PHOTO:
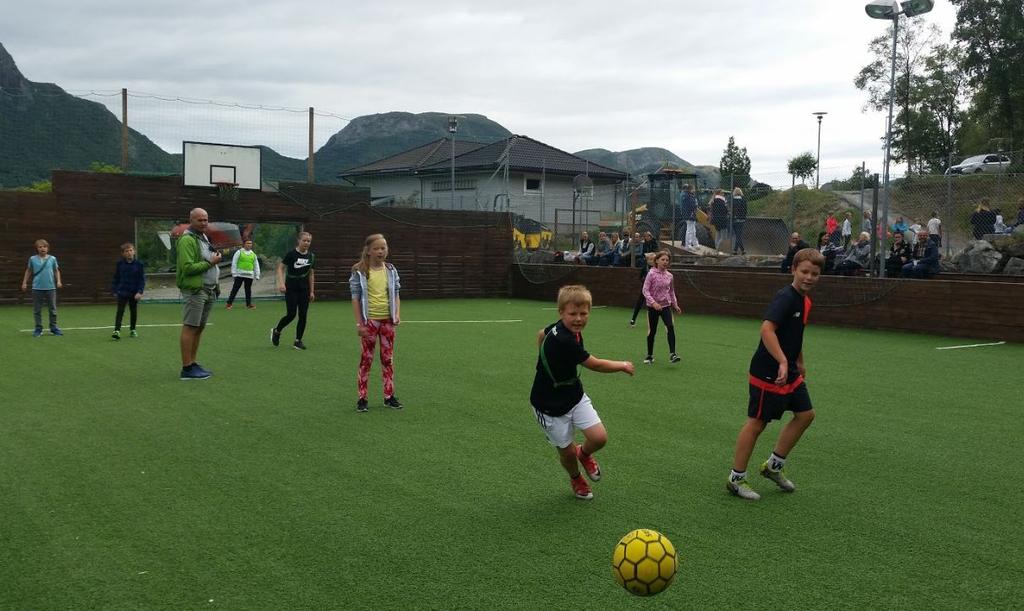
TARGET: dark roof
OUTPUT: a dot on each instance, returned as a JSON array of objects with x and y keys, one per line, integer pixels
[
  {"x": 525, "y": 154},
  {"x": 414, "y": 159}
]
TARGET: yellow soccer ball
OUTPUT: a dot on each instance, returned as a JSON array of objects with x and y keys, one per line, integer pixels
[{"x": 644, "y": 562}]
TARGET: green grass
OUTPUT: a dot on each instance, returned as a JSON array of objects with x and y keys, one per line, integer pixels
[
  {"x": 811, "y": 209},
  {"x": 121, "y": 486}
]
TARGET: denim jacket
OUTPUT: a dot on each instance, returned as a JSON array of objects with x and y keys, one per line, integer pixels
[{"x": 357, "y": 286}]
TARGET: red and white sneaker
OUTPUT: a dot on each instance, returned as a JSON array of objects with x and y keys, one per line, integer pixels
[
  {"x": 581, "y": 488},
  {"x": 589, "y": 464}
]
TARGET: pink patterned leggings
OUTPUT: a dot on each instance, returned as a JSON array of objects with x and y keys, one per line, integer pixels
[{"x": 385, "y": 330}]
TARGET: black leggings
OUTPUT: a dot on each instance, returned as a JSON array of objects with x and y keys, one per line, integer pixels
[
  {"x": 652, "y": 328},
  {"x": 133, "y": 311},
  {"x": 296, "y": 301},
  {"x": 640, "y": 301},
  {"x": 241, "y": 281}
]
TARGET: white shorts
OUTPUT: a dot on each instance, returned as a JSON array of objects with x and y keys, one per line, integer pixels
[{"x": 559, "y": 429}]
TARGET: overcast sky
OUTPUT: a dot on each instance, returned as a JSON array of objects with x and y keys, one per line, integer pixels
[{"x": 682, "y": 75}]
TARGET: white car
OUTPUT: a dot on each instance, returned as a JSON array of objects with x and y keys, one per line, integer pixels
[{"x": 992, "y": 163}]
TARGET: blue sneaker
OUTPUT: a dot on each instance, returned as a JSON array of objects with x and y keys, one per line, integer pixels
[
  {"x": 56, "y": 331},
  {"x": 196, "y": 365},
  {"x": 192, "y": 372},
  {"x": 37, "y": 332}
]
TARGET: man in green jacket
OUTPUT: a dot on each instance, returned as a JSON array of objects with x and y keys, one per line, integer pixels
[{"x": 198, "y": 278}]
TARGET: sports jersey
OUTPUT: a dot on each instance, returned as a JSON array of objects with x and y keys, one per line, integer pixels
[
  {"x": 296, "y": 269},
  {"x": 556, "y": 386},
  {"x": 789, "y": 310}
]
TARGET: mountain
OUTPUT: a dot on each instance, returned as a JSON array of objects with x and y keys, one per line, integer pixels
[
  {"x": 43, "y": 127},
  {"x": 372, "y": 137},
  {"x": 649, "y": 159}
]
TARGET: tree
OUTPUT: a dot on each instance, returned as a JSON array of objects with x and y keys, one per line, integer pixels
[
  {"x": 736, "y": 164},
  {"x": 914, "y": 41},
  {"x": 802, "y": 166},
  {"x": 992, "y": 32}
]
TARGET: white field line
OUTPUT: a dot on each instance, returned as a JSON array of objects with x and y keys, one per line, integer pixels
[
  {"x": 970, "y": 346},
  {"x": 405, "y": 322},
  {"x": 170, "y": 324}
]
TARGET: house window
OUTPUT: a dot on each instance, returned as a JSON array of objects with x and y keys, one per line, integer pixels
[
  {"x": 461, "y": 184},
  {"x": 533, "y": 184}
]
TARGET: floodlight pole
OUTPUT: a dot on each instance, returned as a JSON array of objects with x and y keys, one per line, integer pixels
[
  {"x": 882, "y": 10},
  {"x": 817, "y": 162},
  {"x": 453, "y": 126}
]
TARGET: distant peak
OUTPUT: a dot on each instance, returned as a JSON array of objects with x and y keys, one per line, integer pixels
[{"x": 10, "y": 76}]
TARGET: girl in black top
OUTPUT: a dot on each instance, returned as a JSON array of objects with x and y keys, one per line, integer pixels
[
  {"x": 650, "y": 246},
  {"x": 296, "y": 279}
]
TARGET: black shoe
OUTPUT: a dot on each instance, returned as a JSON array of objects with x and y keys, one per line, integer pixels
[
  {"x": 393, "y": 402},
  {"x": 275, "y": 336},
  {"x": 362, "y": 406},
  {"x": 674, "y": 358},
  {"x": 298, "y": 345}
]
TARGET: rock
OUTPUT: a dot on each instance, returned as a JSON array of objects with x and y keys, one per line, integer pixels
[
  {"x": 1014, "y": 267},
  {"x": 979, "y": 258},
  {"x": 776, "y": 262},
  {"x": 735, "y": 261},
  {"x": 948, "y": 265},
  {"x": 1018, "y": 230}
]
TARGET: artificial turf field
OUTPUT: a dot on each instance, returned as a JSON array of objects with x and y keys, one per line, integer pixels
[{"x": 123, "y": 487}]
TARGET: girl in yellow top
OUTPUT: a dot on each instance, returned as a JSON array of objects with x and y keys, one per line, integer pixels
[{"x": 374, "y": 285}]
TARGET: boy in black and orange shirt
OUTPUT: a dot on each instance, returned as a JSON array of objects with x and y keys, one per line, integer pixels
[{"x": 777, "y": 378}]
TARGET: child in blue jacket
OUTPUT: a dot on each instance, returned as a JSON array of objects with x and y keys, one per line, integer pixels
[{"x": 128, "y": 285}]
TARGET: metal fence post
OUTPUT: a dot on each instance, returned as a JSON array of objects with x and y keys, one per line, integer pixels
[
  {"x": 874, "y": 221},
  {"x": 949, "y": 208},
  {"x": 863, "y": 169}
]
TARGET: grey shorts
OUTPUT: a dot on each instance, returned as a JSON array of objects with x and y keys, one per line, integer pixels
[{"x": 196, "y": 306}]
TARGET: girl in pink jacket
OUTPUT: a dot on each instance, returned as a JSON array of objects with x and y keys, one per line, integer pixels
[{"x": 660, "y": 293}]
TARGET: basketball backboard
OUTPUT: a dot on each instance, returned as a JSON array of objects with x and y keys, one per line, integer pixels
[{"x": 207, "y": 165}]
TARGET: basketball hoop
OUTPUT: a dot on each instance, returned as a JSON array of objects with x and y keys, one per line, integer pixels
[{"x": 227, "y": 191}]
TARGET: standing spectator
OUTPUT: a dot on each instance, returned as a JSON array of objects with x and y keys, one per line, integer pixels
[
  {"x": 739, "y": 221},
  {"x": 900, "y": 226},
  {"x": 1020, "y": 214},
  {"x": 245, "y": 267},
  {"x": 649, "y": 245},
  {"x": 688, "y": 212},
  {"x": 636, "y": 245},
  {"x": 197, "y": 277},
  {"x": 847, "y": 230},
  {"x": 831, "y": 228},
  {"x": 660, "y": 293},
  {"x": 865, "y": 224},
  {"x": 719, "y": 217},
  {"x": 935, "y": 228},
  {"x": 42, "y": 268},
  {"x": 586, "y": 252},
  {"x": 795, "y": 246},
  {"x": 296, "y": 278},
  {"x": 128, "y": 284},
  {"x": 983, "y": 220},
  {"x": 899, "y": 255},
  {"x": 925, "y": 259}
]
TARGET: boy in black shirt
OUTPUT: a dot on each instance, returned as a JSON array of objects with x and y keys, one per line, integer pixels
[
  {"x": 558, "y": 399},
  {"x": 777, "y": 378}
]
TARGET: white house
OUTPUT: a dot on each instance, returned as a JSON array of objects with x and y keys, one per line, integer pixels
[{"x": 518, "y": 174}]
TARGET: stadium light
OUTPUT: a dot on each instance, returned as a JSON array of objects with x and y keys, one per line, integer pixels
[
  {"x": 453, "y": 126},
  {"x": 890, "y": 9},
  {"x": 817, "y": 162}
]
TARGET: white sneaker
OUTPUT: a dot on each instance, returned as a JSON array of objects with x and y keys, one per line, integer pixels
[
  {"x": 648, "y": 360},
  {"x": 742, "y": 489}
]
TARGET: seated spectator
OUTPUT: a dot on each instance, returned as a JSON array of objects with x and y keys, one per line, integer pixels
[
  {"x": 1020, "y": 214},
  {"x": 900, "y": 226},
  {"x": 621, "y": 256},
  {"x": 1000, "y": 226},
  {"x": 924, "y": 259},
  {"x": 603, "y": 255},
  {"x": 983, "y": 220},
  {"x": 898, "y": 256},
  {"x": 857, "y": 257},
  {"x": 586, "y": 252},
  {"x": 795, "y": 246},
  {"x": 827, "y": 248}
]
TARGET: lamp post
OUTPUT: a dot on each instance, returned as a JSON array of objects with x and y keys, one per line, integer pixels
[
  {"x": 817, "y": 162},
  {"x": 891, "y": 10},
  {"x": 453, "y": 126}
]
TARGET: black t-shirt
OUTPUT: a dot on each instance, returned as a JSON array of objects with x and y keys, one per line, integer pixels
[
  {"x": 296, "y": 269},
  {"x": 564, "y": 351},
  {"x": 789, "y": 310}
]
